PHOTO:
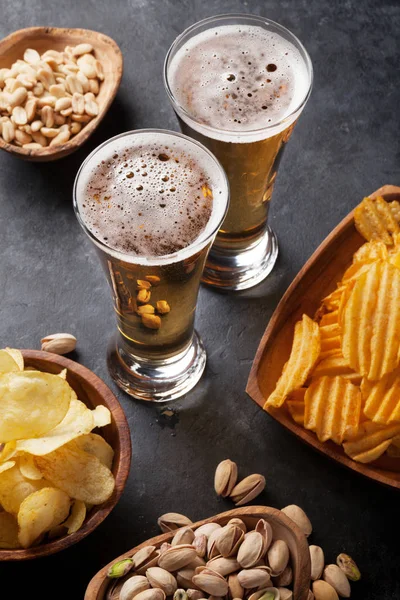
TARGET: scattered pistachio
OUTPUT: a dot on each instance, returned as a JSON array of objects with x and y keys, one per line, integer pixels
[
  {"x": 248, "y": 489},
  {"x": 338, "y": 580},
  {"x": 225, "y": 476},
  {"x": 324, "y": 591},
  {"x": 172, "y": 521},
  {"x": 59, "y": 343},
  {"x": 133, "y": 586},
  {"x": 317, "y": 562},
  {"x": 349, "y": 567}
]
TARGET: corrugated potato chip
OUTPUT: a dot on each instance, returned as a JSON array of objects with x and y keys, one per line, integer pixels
[
  {"x": 295, "y": 404},
  {"x": 40, "y": 512},
  {"x": 14, "y": 488},
  {"x": 76, "y": 518},
  {"x": 382, "y": 398},
  {"x": 332, "y": 408},
  {"x": 336, "y": 365},
  {"x": 371, "y": 322},
  {"x": 375, "y": 220},
  {"x": 80, "y": 474},
  {"x": 329, "y": 318},
  {"x": 8, "y": 531},
  {"x": 31, "y": 403},
  {"x": 371, "y": 441},
  {"x": 305, "y": 350},
  {"x": 96, "y": 445}
]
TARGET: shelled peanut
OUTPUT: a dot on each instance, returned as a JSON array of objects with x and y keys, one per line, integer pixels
[{"x": 46, "y": 99}]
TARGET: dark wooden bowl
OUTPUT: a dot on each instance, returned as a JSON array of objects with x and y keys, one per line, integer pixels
[
  {"x": 282, "y": 526},
  {"x": 93, "y": 391},
  {"x": 316, "y": 279},
  {"x": 41, "y": 39}
]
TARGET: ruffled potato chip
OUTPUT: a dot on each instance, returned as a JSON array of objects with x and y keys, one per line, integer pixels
[
  {"x": 382, "y": 398},
  {"x": 376, "y": 219},
  {"x": 40, "y": 512},
  {"x": 336, "y": 365},
  {"x": 371, "y": 441},
  {"x": 80, "y": 474},
  {"x": 31, "y": 403},
  {"x": 8, "y": 531},
  {"x": 96, "y": 445},
  {"x": 76, "y": 518}
]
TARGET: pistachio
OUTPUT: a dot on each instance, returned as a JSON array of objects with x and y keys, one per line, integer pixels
[
  {"x": 338, "y": 580},
  {"x": 349, "y": 567},
  {"x": 197, "y": 562},
  {"x": 200, "y": 544},
  {"x": 184, "y": 535},
  {"x": 194, "y": 594},
  {"x": 285, "y": 594},
  {"x": 322, "y": 590},
  {"x": 153, "y": 279},
  {"x": 115, "y": 588},
  {"x": 152, "y": 594},
  {"x": 172, "y": 521},
  {"x": 177, "y": 557},
  {"x": 207, "y": 529},
  {"x": 298, "y": 515},
  {"x": 184, "y": 577},
  {"x": 120, "y": 568},
  {"x": 223, "y": 566},
  {"x": 229, "y": 540},
  {"x": 133, "y": 586},
  {"x": 235, "y": 590},
  {"x": 143, "y": 557},
  {"x": 162, "y": 579},
  {"x": 180, "y": 595},
  {"x": 265, "y": 529},
  {"x": 238, "y": 523},
  {"x": 248, "y": 489},
  {"x": 59, "y": 343},
  {"x": 211, "y": 582},
  {"x": 212, "y": 549},
  {"x": 317, "y": 562},
  {"x": 255, "y": 578},
  {"x": 164, "y": 547},
  {"x": 251, "y": 550},
  {"x": 270, "y": 593},
  {"x": 225, "y": 477},
  {"x": 285, "y": 578},
  {"x": 278, "y": 557}
]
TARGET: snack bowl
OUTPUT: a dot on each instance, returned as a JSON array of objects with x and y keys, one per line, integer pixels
[
  {"x": 282, "y": 527},
  {"x": 41, "y": 39},
  {"x": 317, "y": 279},
  {"x": 91, "y": 390}
]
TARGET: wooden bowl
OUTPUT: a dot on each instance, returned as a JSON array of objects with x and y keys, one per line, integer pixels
[
  {"x": 93, "y": 391},
  {"x": 282, "y": 526},
  {"x": 316, "y": 279},
  {"x": 41, "y": 39}
]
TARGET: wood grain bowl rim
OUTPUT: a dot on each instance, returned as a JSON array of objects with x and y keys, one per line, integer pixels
[
  {"x": 55, "y": 152},
  {"x": 371, "y": 470},
  {"x": 120, "y": 468},
  {"x": 97, "y": 587}
]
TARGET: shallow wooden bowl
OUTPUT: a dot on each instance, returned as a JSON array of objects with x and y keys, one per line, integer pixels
[
  {"x": 93, "y": 391},
  {"x": 282, "y": 526},
  {"x": 41, "y": 39},
  {"x": 316, "y": 279}
]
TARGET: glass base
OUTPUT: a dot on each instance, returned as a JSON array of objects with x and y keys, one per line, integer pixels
[
  {"x": 159, "y": 380},
  {"x": 242, "y": 270}
]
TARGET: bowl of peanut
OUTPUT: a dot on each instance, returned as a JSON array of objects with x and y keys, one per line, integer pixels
[{"x": 56, "y": 85}]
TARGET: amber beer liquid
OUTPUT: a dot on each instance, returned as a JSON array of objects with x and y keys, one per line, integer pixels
[
  {"x": 152, "y": 202},
  {"x": 238, "y": 84}
]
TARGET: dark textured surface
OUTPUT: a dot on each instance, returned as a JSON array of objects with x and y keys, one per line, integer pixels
[{"x": 345, "y": 145}]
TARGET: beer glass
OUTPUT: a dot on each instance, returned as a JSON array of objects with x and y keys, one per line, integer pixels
[
  {"x": 250, "y": 136},
  {"x": 156, "y": 354}
]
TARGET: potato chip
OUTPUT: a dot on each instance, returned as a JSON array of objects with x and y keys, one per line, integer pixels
[
  {"x": 80, "y": 474},
  {"x": 101, "y": 416},
  {"x": 371, "y": 441},
  {"x": 40, "y": 512},
  {"x": 295, "y": 404},
  {"x": 375, "y": 220},
  {"x": 329, "y": 318},
  {"x": 371, "y": 322},
  {"x": 330, "y": 338},
  {"x": 332, "y": 301},
  {"x": 305, "y": 350},
  {"x": 382, "y": 398},
  {"x": 8, "y": 531},
  {"x": 76, "y": 518},
  {"x": 332, "y": 408},
  {"x": 7, "y": 363},
  {"x": 7, "y": 465},
  {"x": 31, "y": 403},
  {"x": 17, "y": 356},
  {"x": 14, "y": 488},
  {"x": 335, "y": 365},
  {"x": 63, "y": 374},
  {"x": 28, "y": 467},
  {"x": 370, "y": 252},
  {"x": 9, "y": 451},
  {"x": 96, "y": 445},
  {"x": 78, "y": 421}
]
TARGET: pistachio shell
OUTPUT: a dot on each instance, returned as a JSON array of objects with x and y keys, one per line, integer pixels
[
  {"x": 349, "y": 567},
  {"x": 200, "y": 544},
  {"x": 133, "y": 586},
  {"x": 324, "y": 591},
  {"x": 212, "y": 549},
  {"x": 223, "y": 566},
  {"x": 238, "y": 523},
  {"x": 235, "y": 590},
  {"x": 225, "y": 477},
  {"x": 251, "y": 550},
  {"x": 254, "y": 578},
  {"x": 162, "y": 579},
  {"x": 184, "y": 577},
  {"x": 248, "y": 489},
  {"x": 171, "y": 521},
  {"x": 265, "y": 529},
  {"x": 143, "y": 555},
  {"x": 317, "y": 562},
  {"x": 211, "y": 582},
  {"x": 120, "y": 568},
  {"x": 194, "y": 594},
  {"x": 207, "y": 529},
  {"x": 298, "y": 515},
  {"x": 338, "y": 580},
  {"x": 184, "y": 535},
  {"x": 285, "y": 578},
  {"x": 151, "y": 594},
  {"x": 278, "y": 557},
  {"x": 229, "y": 540},
  {"x": 177, "y": 557}
]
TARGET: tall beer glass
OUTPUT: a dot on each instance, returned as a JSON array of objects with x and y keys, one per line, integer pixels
[
  {"x": 152, "y": 201},
  {"x": 238, "y": 84}
]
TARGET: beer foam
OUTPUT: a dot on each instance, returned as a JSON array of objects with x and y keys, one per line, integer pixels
[
  {"x": 149, "y": 194},
  {"x": 238, "y": 78}
]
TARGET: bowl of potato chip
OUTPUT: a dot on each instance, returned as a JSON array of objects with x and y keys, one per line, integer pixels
[{"x": 65, "y": 453}]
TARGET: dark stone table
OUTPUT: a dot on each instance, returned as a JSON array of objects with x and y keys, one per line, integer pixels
[{"x": 345, "y": 146}]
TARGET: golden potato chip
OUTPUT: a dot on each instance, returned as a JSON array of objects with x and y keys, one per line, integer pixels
[
  {"x": 28, "y": 467},
  {"x": 78, "y": 421},
  {"x": 295, "y": 404},
  {"x": 7, "y": 465},
  {"x": 332, "y": 408},
  {"x": 305, "y": 350},
  {"x": 101, "y": 416},
  {"x": 370, "y": 252},
  {"x": 14, "y": 488},
  {"x": 329, "y": 318},
  {"x": 330, "y": 339},
  {"x": 17, "y": 356},
  {"x": 371, "y": 322},
  {"x": 76, "y": 518},
  {"x": 371, "y": 441},
  {"x": 7, "y": 363},
  {"x": 96, "y": 445},
  {"x": 31, "y": 403},
  {"x": 9, "y": 451},
  {"x": 375, "y": 220},
  {"x": 80, "y": 474},
  {"x": 382, "y": 398},
  {"x": 63, "y": 374},
  {"x": 335, "y": 365},
  {"x": 40, "y": 512},
  {"x": 332, "y": 301},
  {"x": 8, "y": 531}
]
